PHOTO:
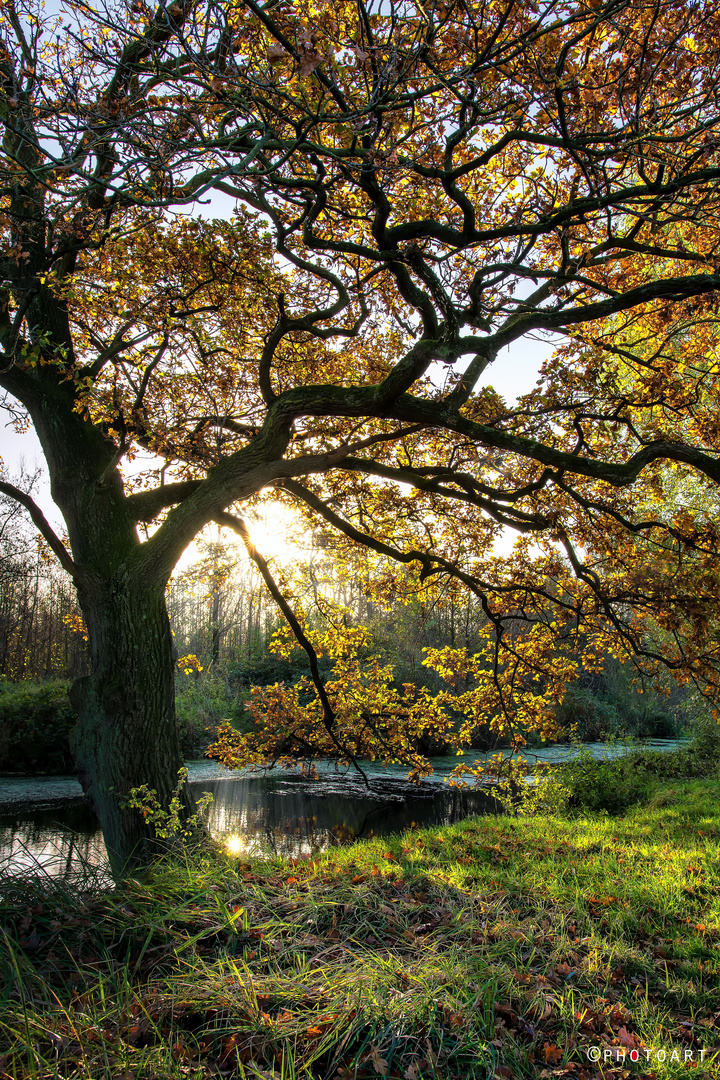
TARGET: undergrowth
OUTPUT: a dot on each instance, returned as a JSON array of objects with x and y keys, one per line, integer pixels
[
  {"x": 499, "y": 947},
  {"x": 616, "y": 782}
]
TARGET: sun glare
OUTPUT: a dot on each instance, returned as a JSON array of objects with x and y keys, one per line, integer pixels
[
  {"x": 278, "y": 535},
  {"x": 275, "y": 531}
]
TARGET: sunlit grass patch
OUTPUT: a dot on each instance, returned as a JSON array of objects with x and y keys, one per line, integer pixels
[{"x": 499, "y": 947}]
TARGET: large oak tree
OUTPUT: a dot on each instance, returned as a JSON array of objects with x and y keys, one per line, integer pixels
[{"x": 423, "y": 184}]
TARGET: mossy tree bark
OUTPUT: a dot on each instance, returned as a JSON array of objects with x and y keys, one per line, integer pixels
[{"x": 126, "y": 734}]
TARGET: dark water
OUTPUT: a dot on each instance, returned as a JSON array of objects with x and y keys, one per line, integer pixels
[
  {"x": 293, "y": 816},
  {"x": 285, "y": 814},
  {"x": 46, "y": 826}
]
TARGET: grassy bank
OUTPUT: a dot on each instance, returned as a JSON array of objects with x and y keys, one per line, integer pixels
[{"x": 500, "y": 947}]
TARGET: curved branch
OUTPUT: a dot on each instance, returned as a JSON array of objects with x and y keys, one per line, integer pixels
[
  {"x": 238, "y": 526},
  {"x": 618, "y": 474},
  {"x": 673, "y": 288},
  {"x": 43, "y": 527},
  {"x": 146, "y": 505},
  {"x": 431, "y": 564}
]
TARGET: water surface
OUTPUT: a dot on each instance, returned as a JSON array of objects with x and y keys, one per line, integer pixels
[{"x": 46, "y": 824}]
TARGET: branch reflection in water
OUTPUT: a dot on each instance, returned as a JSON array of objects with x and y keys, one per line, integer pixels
[{"x": 287, "y": 815}]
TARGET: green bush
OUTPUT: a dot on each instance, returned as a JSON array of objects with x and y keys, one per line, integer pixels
[
  {"x": 35, "y": 723},
  {"x": 268, "y": 669},
  {"x": 611, "y": 702},
  {"x": 706, "y": 739},
  {"x": 614, "y": 784},
  {"x": 611, "y": 784},
  {"x": 595, "y": 716},
  {"x": 658, "y": 725},
  {"x": 201, "y": 704},
  {"x": 36, "y": 719}
]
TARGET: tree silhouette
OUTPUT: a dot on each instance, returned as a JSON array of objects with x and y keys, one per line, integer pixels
[{"x": 423, "y": 184}]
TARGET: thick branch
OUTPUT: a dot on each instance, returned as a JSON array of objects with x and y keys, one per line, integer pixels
[
  {"x": 146, "y": 505},
  {"x": 43, "y": 526},
  {"x": 673, "y": 289}
]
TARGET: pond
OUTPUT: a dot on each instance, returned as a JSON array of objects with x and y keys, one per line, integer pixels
[{"x": 46, "y": 825}]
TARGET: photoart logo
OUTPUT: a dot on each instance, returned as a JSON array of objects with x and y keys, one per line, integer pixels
[{"x": 645, "y": 1054}]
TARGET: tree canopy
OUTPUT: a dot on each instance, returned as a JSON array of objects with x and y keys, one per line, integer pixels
[{"x": 417, "y": 187}]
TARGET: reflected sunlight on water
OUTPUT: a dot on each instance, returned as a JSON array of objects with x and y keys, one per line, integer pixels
[{"x": 285, "y": 814}]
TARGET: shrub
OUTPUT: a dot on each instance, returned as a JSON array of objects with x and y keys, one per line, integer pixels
[
  {"x": 268, "y": 669},
  {"x": 612, "y": 702},
  {"x": 706, "y": 739},
  {"x": 611, "y": 784},
  {"x": 596, "y": 717},
  {"x": 35, "y": 723},
  {"x": 201, "y": 704},
  {"x": 658, "y": 725},
  {"x": 614, "y": 784}
]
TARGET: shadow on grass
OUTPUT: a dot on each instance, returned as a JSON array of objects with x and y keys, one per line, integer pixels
[{"x": 499, "y": 947}]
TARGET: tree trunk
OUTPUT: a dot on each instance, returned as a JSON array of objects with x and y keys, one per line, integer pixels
[
  {"x": 126, "y": 734},
  {"x": 215, "y": 625}
]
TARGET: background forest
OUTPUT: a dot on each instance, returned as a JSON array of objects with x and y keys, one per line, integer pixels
[{"x": 225, "y": 625}]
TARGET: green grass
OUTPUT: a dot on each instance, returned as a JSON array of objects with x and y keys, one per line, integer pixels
[{"x": 499, "y": 947}]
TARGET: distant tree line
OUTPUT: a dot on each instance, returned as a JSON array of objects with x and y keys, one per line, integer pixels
[
  {"x": 223, "y": 618},
  {"x": 221, "y": 612},
  {"x": 40, "y": 624}
]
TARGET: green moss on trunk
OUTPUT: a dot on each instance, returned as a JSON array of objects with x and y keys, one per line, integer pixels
[{"x": 126, "y": 734}]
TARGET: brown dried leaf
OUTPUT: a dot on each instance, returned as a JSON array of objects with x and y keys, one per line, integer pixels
[
  {"x": 552, "y": 1054},
  {"x": 627, "y": 1038},
  {"x": 309, "y": 61},
  {"x": 379, "y": 1063}
]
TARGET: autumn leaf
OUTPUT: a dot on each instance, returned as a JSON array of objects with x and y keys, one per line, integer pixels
[
  {"x": 628, "y": 1039},
  {"x": 379, "y": 1063},
  {"x": 552, "y": 1054}
]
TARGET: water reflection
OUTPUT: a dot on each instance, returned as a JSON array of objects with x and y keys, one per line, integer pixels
[
  {"x": 60, "y": 843},
  {"x": 292, "y": 816},
  {"x": 287, "y": 815},
  {"x": 283, "y": 812}
]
